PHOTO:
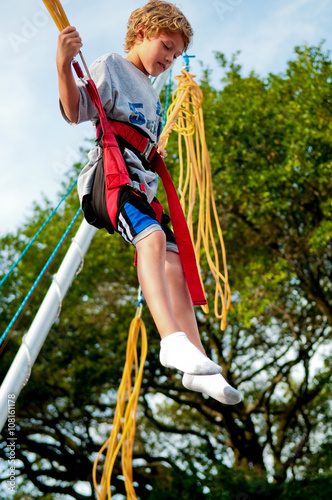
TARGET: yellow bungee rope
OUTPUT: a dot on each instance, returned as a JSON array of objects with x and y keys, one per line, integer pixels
[
  {"x": 185, "y": 116},
  {"x": 58, "y": 14},
  {"x": 124, "y": 422}
]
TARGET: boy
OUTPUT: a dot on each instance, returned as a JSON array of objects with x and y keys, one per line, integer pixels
[{"x": 157, "y": 34}]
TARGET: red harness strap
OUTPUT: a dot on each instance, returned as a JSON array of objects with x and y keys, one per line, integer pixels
[
  {"x": 182, "y": 235},
  {"x": 116, "y": 175}
]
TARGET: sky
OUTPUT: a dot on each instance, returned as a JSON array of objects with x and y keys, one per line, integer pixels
[{"x": 36, "y": 144}]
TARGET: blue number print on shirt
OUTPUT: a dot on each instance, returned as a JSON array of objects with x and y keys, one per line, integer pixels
[{"x": 138, "y": 118}]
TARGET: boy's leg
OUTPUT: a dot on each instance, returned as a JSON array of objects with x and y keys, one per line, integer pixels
[
  {"x": 213, "y": 385},
  {"x": 166, "y": 293},
  {"x": 180, "y": 299},
  {"x": 176, "y": 350},
  {"x": 151, "y": 255}
]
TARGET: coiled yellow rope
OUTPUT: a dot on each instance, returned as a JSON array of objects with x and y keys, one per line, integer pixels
[
  {"x": 185, "y": 116},
  {"x": 124, "y": 423}
]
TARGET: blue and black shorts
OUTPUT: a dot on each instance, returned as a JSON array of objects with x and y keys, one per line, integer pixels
[{"x": 136, "y": 219}]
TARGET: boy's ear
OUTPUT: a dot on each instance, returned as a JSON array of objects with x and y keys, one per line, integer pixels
[{"x": 140, "y": 34}]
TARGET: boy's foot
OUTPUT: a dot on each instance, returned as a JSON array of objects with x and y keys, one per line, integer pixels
[
  {"x": 176, "y": 351},
  {"x": 213, "y": 385}
]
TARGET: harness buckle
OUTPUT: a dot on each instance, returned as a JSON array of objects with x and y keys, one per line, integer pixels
[
  {"x": 83, "y": 80},
  {"x": 138, "y": 187},
  {"x": 148, "y": 150}
]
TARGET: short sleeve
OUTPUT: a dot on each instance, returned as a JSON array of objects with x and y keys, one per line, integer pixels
[{"x": 101, "y": 76}]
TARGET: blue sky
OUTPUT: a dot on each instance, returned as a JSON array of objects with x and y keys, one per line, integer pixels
[{"x": 37, "y": 146}]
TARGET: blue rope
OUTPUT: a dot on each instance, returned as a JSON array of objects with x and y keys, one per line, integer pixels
[
  {"x": 167, "y": 97},
  {"x": 32, "y": 289},
  {"x": 35, "y": 236},
  {"x": 140, "y": 297}
]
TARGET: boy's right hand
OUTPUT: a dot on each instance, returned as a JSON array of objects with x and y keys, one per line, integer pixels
[{"x": 69, "y": 45}]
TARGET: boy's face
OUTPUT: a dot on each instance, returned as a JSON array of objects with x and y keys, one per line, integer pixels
[{"x": 153, "y": 56}]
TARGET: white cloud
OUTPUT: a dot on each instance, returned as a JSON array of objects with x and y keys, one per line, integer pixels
[{"x": 290, "y": 24}]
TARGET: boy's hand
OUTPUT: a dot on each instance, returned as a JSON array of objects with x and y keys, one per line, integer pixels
[
  {"x": 162, "y": 152},
  {"x": 69, "y": 45}
]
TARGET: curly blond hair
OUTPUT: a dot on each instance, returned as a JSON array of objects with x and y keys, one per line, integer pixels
[{"x": 157, "y": 16}]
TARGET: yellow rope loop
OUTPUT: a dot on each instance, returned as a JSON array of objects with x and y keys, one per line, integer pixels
[
  {"x": 185, "y": 116},
  {"x": 58, "y": 14},
  {"x": 184, "y": 125},
  {"x": 124, "y": 423},
  {"x": 186, "y": 90}
]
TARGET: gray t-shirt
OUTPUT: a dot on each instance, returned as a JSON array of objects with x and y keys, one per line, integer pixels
[{"x": 127, "y": 95}]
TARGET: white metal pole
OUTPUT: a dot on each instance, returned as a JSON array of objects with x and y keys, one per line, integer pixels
[{"x": 34, "y": 339}]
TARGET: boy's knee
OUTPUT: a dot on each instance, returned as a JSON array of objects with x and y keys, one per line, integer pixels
[{"x": 154, "y": 242}]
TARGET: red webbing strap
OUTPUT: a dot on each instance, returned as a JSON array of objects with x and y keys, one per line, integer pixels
[
  {"x": 182, "y": 235},
  {"x": 133, "y": 137},
  {"x": 78, "y": 69},
  {"x": 116, "y": 173},
  {"x": 115, "y": 169}
]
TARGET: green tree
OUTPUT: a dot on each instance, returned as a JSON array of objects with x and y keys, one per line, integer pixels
[
  {"x": 270, "y": 147},
  {"x": 272, "y": 159}
]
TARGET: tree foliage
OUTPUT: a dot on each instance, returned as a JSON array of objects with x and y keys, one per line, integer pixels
[{"x": 270, "y": 147}]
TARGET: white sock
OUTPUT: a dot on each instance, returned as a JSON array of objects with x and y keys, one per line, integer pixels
[
  {"x": 176, "y": 351},
  {"x": 213, "y": 385}
]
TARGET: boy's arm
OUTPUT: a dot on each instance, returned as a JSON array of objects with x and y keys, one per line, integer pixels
[{"x": 69, "y": 44}]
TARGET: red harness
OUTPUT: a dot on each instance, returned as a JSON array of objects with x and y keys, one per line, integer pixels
[{"x": 116, "y": 175}]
